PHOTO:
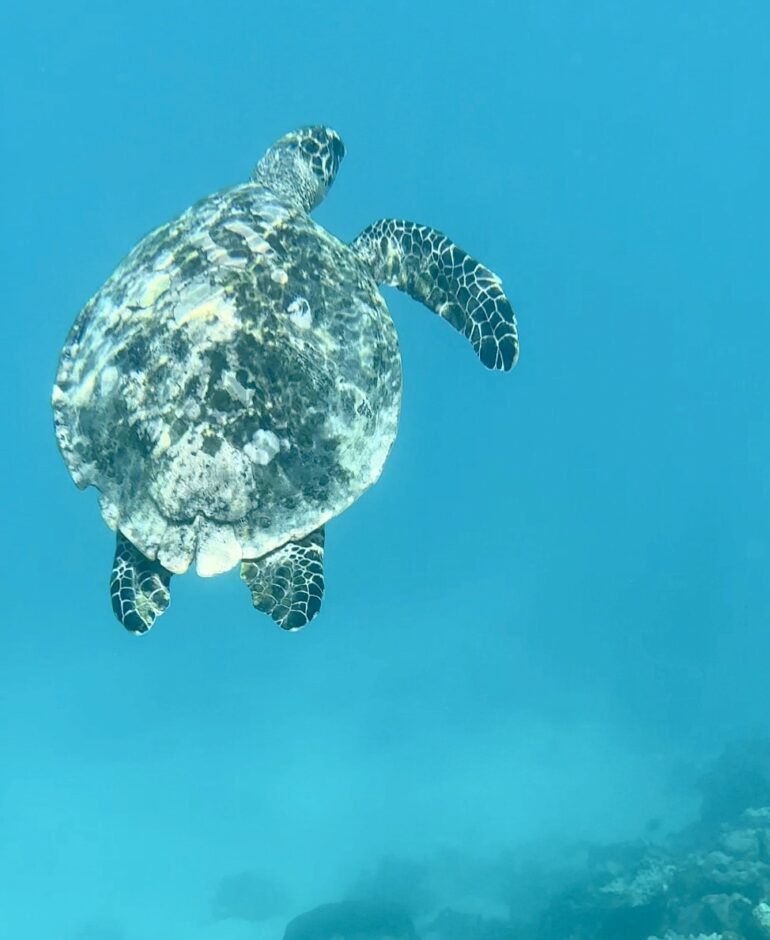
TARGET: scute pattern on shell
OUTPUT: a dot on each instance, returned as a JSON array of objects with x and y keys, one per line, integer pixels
[{"x": 233, "y": 385}]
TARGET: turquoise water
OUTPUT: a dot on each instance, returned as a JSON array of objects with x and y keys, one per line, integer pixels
[{"x": 555, "y": 602}]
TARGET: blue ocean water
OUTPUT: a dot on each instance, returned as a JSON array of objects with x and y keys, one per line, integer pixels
[{"x": 555, "y": 602}]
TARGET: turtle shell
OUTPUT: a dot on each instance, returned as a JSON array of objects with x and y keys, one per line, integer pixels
[{"x": 233, "y": 385}]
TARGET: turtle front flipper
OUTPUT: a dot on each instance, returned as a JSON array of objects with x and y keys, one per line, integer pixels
[
  {"x": 288, "y": 583},
  {"x": 139, "y": 587},
  {"x": 431, "y": 268}
]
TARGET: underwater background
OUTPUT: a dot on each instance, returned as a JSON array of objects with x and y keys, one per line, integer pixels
[{"x": 553, "y": 610}]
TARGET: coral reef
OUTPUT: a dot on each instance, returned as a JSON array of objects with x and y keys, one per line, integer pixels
[{"x": 708, "y": 881}]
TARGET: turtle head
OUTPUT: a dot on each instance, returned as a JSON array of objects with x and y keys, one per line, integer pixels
[{"x": 301, "y": 166}]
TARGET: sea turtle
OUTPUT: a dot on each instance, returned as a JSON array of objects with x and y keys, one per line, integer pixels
[{"x": 236, "y": 381}]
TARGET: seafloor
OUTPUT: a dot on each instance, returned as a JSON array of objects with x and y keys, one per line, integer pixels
[{"x": 707, "y": 881}]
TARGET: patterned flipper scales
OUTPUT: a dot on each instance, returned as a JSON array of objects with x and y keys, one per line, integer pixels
[
  {"x": 288, "y": 584},
  {"x": 432, "y": 269},
  {"x": 139, "y": 587}
]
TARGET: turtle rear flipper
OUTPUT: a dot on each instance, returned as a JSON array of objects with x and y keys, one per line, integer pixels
[
  {"x": 139, "y": 587},
  {"x": 432, "y": 269},
  {"x": 288, "y": 584}
]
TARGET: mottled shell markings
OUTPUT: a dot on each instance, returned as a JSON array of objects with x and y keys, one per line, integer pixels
[
  {"x": 299, "y": 313},
  {"x": 262, "y": 447}
]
